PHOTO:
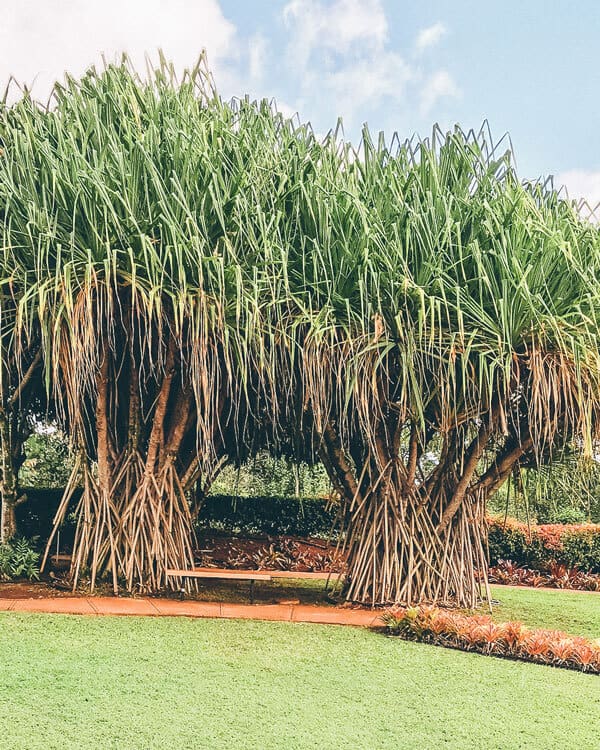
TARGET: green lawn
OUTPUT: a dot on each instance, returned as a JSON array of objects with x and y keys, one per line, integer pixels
[
  {"x": 576, "y": 612},
  {"x": 146, "y": 683}
]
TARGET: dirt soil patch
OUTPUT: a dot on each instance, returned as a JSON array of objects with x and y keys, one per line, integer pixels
[{"x": 31, "y": 590}]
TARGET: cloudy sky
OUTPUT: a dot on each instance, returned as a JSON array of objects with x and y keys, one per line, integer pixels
[{"x": 531, "y": 68}]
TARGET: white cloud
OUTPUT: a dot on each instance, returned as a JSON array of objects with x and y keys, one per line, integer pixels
[
  {"x": 430, "y": 36},
  {"x": 439, "y": 85},
  {"x": 257, "y": 55},
  {"x": 341, "y": 49},
  {"x": 41, "y": 40},
  {"x": 335, "y": 27},
  {"x": 581, "y": 184},
  {"x": 368, "y": 82}
]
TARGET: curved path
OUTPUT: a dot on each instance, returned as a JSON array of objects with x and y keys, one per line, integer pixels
[{"x": 110, "y": 605}]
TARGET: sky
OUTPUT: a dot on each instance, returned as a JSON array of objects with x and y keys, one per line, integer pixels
[{"x": 529, "y": 67}]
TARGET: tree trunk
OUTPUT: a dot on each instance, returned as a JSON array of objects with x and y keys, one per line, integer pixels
[
  {"x": 8, "y": 486},
  {"x": 134, "y": 520},
  {"x": 398, "y": 554},
  {"x": 8, "y": 523},
  {"x": 16, "y": 391},
  {"x": 415, "y": 539}
]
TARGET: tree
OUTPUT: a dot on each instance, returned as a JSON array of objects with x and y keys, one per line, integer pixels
[
  {"x": 267, "y": 475},
  {"x": 48, "y": 460},
  {"x": 567, "y": 490},
  {"x": 211, "y": 281},
  {"x": 21, "y": 395}
]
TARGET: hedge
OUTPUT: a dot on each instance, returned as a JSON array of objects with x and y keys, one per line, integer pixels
[
  {"x": 305, "y": 517},
  {"x": 573, "y": 545},
  {"x": 236, "y": 515}
]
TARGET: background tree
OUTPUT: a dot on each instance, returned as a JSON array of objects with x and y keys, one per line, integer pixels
[
  {"x": 21, "y": 399},
  {"x": 567, "y": 490},
  {"x": 48, "y": 461}
]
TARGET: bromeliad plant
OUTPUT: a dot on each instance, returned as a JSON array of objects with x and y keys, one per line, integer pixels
[
  {"x": 556, "y": 576},
  {"x": 209, "y": 280},
  {"x": 508, "y": 639}
]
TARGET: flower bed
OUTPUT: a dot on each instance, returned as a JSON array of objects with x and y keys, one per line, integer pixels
[
  {"x": 557, "y": 576},
  {"x": 479, "y": 633},
  {"x": 271, "y": 553}
]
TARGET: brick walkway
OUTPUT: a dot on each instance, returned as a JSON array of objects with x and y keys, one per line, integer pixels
[{"x": 108, "y": 605}]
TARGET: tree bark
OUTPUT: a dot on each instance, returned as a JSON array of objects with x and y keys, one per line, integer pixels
[
  {"x": 8, "y": 486},
  {"x": 13, "y": 433}
]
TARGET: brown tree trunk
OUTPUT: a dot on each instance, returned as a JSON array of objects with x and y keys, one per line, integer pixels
[
  {"x": 410, "y": 541},
  {"x": 12, "y": 437},
  {"x": 9, "y": 517},
  {"x": 8, "y": 483}
]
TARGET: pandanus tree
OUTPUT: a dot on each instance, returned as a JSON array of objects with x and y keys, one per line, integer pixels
[
  {"x": 453, "y": 334},
  {"x": 209, "y": 280},
  {"x": 129, "y": 192},
  {"x": 481, "y": 352}
]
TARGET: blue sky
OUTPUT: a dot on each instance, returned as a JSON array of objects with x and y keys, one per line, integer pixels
[{"x": 531, "y": 67}]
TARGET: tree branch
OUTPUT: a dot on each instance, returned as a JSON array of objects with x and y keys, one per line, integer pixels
[
  {"x": 26, "y": 378},
  {"x": 495, "y": 476},
  {"x": 339, "y": 463},
  {"x": 474, "y": 453}
]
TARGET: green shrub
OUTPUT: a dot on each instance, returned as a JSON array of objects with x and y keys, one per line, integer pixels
[
  {"x": 538, "y": 547},
  {"x": 19, "y": 559},
  {"x": 566, "y": 515},
  {"x": 512, "y": 542},
  {"x": 268, "y": 515},
  {"x": 581, "y": 550},
  {"x": 48, "y": 458}
]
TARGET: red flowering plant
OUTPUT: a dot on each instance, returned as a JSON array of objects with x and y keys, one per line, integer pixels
[
  {"x": 480, "y": 633},
  {"x": 557, "y": 576}
]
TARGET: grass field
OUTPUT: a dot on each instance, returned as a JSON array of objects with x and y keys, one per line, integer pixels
[
  {"x": 144, "y": 683},
  {"x": 576, "y": 612}
]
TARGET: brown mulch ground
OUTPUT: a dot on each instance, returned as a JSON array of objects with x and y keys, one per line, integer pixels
[{"x": 31, "y": 590}]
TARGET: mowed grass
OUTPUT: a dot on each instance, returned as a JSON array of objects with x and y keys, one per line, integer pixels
[
  {"x": 145, "y": 683},
  {"x": 576, "y": 612}
]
